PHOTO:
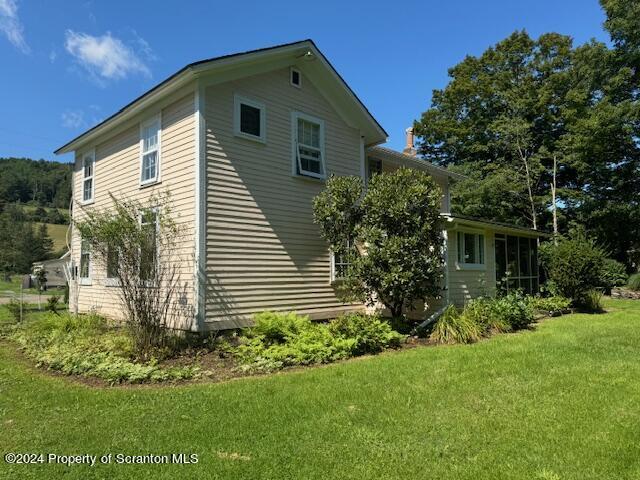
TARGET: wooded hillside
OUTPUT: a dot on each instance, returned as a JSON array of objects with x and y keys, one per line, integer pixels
[{"x": 39, "y": 182}]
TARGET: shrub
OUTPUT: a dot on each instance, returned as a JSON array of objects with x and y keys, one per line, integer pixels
[
  {"x": 483, "y": 312},
  {"x": 592, "y": 302},
  {"x": 85, "y": 345},
  {"x": 634, "y": 282},
  {"x": 614, "y": 274},
  {"x": 574, "y": 265},
  {"x": 284, "y": 339},
  {"x": 452, "y": 327},
  {"x": 371, "y": 334},
  {"x": 514, "y": 309},
  {"x": 550, "y": 305},
  {"x": 53, "y": 303},
  {"x": 15, "y": 309}
]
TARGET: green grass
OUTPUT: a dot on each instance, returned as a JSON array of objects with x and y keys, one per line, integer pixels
[
  {"x": 561, "y": 402},
  {"x": 58, "y": 234},
  {"x": 14, "y": 286}
]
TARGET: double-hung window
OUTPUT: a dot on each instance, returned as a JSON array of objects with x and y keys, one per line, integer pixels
[
  {"x": 113, "y": 257},
  {"x": 149, "y": 245},
  {"x": 340, "y": 262},
  {"x": 249, "y": 119},
  {"x": 150, "y": 151},
  {"x": 85, "y": 263},
  {"x": 309, "y": 157},
  {"x": 470, "y": 249},
  {"x": 88, "y": 172}
]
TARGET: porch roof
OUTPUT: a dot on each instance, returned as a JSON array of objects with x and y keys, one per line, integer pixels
[{"x": 498, "y": 226}]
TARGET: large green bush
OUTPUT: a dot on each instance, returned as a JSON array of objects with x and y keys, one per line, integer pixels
[
  {"x": 86, "y": 345},
  {"x": 285, "y": 339},
  {"x": 574, "y": 266},
  {"x": 514, "y": 309},
  {"x": 614, "y": 274}
]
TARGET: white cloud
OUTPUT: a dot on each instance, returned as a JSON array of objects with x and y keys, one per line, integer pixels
[
  {"x": 52, "y": 56},
  {"x": 104, "y": 57},
  {"x": 11, "y": 26},
  {"x": 73, "y": 119}
]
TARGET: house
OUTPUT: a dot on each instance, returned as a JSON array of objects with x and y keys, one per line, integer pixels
[
  {"x": 244, "y": 143},
  {"x": 55, "y": 270}
]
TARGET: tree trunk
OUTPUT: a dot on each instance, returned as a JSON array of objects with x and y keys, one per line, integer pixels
[
  {"x": 554, "y": 206},
  {"x": 532, "y": 205}
]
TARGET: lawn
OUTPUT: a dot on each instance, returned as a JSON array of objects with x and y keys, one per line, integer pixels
[
  {"x": 561, "y": 402},
  {"x": 58, "y": 234},
  {"x": 14, "y": 286}
]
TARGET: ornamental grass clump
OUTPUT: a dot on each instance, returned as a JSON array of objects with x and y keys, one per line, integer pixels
[{"x": 452, "y": 327}]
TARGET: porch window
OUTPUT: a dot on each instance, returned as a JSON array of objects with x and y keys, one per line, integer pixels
[
  {"x": 149, "y": 151},
  {"x": 470, "y": 248},
  {"x": 516, "y": 263},
  {"x": 309, "y": 146}
]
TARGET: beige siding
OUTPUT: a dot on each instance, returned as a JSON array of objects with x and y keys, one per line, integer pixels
[
  {"x": 263, "y": 251},
  {"x": 117, "y": 172},
  {"x": 465, "y": 283}
]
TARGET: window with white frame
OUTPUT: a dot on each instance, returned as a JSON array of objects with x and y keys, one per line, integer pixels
[
  {"x": 340, "y": 262},
  {"x": 470, "y": 248},
  {"x": 374, "y": 167},
  {"x": 150, "y": 151},
  {"x": 309, "y": 146},
  {"x": 249, "y": 119},
  {"x": 113, "y": 257},
  {"x": 88, "y": 171},
  {"x": 149, "y": 246},
  {"x": 85, "y": 263}
]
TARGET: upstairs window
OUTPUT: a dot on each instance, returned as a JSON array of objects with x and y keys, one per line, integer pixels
[
  {"x": 470, "y": 248},
  {"x": 249, "y": 119},
  {"x": 150, "y": 151},
  {"x": 296, "y": 78},
  {"x": 88, "y": 169},
  {"x": 309, "y": 146}
]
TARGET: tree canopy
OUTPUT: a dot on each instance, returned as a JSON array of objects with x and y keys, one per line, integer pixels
[{"x": 531, "y": 114}]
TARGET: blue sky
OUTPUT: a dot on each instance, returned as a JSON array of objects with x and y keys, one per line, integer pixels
[{"x": 67, "y": 65}]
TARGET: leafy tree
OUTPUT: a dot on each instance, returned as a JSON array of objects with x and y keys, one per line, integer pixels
[
  {"x": 390, "y": 236},
  {"x": 136, "y": 244}
]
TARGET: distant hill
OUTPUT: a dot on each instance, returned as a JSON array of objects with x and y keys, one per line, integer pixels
[{"x": 38, "y": 182}]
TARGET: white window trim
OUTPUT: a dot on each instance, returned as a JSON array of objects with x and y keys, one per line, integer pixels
[
  {"x": 239, "y": 100},
  {"x": 298, "y": 85},
  {"x": 85, "y": 280},
  {"x": 152, "y": 282},
  {"x": 296, "y": 164},
  {"x": 470, "y": 266},
  {"x": 154, "y": 119},
  {"x": 333, "y": 278},
  {"x": 110, "y": 281},
  {"x": 89, "y": 201}
]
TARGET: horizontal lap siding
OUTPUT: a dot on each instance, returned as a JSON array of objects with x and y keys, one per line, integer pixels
[
  {"x": 467, "y": 284},
  {"x": 117, "y": 172},
  {"x": 263, "y": 251}
]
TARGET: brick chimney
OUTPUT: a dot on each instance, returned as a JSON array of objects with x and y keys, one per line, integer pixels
[{"x": 409, "y": 149}]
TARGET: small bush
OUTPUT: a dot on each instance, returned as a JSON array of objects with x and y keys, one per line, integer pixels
[
  {"x": 554, "y": 305},
  {"x": 634, "y": 282},
  {"x": 284, "y": 339},
  {"x": 15, "y": 309},
  {"x": 574, "y": 265},
  {"x": 514, "y": 309},
  {"x": 85, "y": 345},
  {"x": 53, "y": 303},
  {"x": 592, "y": 302},
  {"x": 371, "y": 334},
  {"x": 613, "y": 274},
  {"x": 483, "y": 312},
  {"x": 452, "y": 327}
]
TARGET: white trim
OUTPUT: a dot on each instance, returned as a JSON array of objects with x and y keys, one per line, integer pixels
[
  {"x": 85, "y": 280},
  {"x": 157, "y": 118},
  {"x": 239, "y": 100},
  {"x": 92, "y": 177},
  {"x": 296, "y": 164},
  {"x": 460, "y": 233},
  {"x": 201, "y": 196},
  {"x": 445, "y": 247},
  {"x": 299, "y": 84}
]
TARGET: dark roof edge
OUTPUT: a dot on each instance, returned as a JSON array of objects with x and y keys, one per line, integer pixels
[{"x": 498, "y": 224}]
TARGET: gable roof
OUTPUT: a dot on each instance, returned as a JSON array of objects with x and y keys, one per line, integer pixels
[{"x": 322, "y": 73}]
